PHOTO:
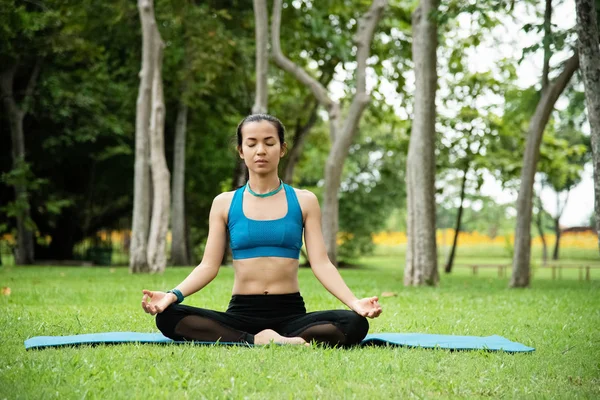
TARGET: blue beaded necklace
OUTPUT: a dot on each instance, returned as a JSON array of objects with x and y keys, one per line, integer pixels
[{"x": 269, "y": 194}]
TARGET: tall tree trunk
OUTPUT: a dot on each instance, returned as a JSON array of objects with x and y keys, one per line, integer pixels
[
  {"x": 421, "y": 255},
  {"x": 342, "y": 133},
  {"x": 522, "y": 255},
  {"x": 179, "y": 250},
  {"x": 261, "y": 29},
  {"x": 138, "y": 261},
  {"x": 589, "y": 50},
  {"x": 546, "y": 43},
  {"x": 159, "y": 224},
  {"x": 25, "y": 243},
  {"x": 557, "y": 235},
  {"x": 539, "y": 222},
  {"x": 450, "y": 261},
  {"x": 559, "y": 212}
]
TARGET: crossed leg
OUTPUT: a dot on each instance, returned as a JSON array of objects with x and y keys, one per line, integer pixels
[
  {"x": 181, "y": 322},
  {"x": 331, "y": 328},
  {"x": 336, "y": 327}
]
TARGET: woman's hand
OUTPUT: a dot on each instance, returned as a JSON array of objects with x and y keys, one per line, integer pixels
[
  {"x": 156, "y": 302},
  {"x": 367, "y": 307}
]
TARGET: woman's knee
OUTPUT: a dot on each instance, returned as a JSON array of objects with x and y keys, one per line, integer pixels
[
  {"x": 357, "y": 328},
  {"x": 167, "y": 320}
]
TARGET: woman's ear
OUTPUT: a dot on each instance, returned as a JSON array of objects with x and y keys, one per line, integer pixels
[
  {"x": 240, "y": 152},
  {"x": 284, "y": 149}
]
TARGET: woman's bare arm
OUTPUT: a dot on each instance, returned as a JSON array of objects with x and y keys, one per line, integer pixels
[
  {"x": 208, "y": 269},
  {"x": 322, "y": 267}
]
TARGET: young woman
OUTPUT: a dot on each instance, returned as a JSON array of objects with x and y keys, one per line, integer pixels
[{"x": 265, "y": 219}]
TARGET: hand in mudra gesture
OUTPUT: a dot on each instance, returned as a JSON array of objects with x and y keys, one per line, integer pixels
[
  {"x": 367, "y": 307},
  {"x": 154, "y": 302}
]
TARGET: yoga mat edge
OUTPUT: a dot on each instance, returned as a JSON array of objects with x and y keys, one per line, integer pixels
[{"x": 409, "y": 340}]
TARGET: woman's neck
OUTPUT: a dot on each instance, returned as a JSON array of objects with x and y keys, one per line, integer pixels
[{"x": 263, "y": 184}]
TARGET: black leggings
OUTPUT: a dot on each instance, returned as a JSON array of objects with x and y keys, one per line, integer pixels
[{"x": 249, "y": 314}]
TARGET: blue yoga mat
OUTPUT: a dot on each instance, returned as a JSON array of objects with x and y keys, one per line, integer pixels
[{"x": 428, "y": 341}]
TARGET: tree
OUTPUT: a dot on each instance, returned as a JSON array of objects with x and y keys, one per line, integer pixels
[
  {"x": 16, "y": 114},
  {"x": 563, "y": 155},
  {"x": 180, "y": 254},
  {"x": 539, "y": 212},
  {"x": 147, "y": 253},
  {"x": 261, "y": 26},
  {"x": 20, "y": 54},
  {"x": 342, "y": 131},
  {"x": 468, "y": 136},
  {"x": 161, "y": 194},
  {"x": 549, "y": 94},
  {"x": 421, "y": 251},
  {"x": 589, "y": 50}
]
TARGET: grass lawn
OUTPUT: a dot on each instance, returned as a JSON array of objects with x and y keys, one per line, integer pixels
[{"x": 560, "y": 318}]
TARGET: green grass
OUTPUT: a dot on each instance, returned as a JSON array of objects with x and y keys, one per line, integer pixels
[
  {"x": 558, "y": 317},
  {"x": 469, "y": 253}
]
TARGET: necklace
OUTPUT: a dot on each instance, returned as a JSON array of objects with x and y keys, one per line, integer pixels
[{"x": 269, "y": 194}]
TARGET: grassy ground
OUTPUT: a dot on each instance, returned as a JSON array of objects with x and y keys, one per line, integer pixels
[
  {"x": 560, "y": 318},
  {"x": 499, "y": 254}
]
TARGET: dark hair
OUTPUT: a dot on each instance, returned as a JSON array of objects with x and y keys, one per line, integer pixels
[{"x": 262, "y": 117}]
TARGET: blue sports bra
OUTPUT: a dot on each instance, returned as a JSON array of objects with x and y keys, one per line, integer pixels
[{"x": 251, "y": 238}]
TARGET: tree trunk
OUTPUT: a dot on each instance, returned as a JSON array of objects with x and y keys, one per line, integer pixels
[
  {"x": 540, "y": 226},
  {"x": 559, "y": 212},
  {"x": 342, "y": 132},
  {"x": 522, "y": 255},
  {"x": 179, "y": 250},
  {"x": 463, "y": 186},
  {"x": 546, "y": 43},
  {"x": 421, "y": 254},
  {"x": 25, "y": 242},
  {"x": 138, "y": 261},
  {"x": 159, "y": 224},
  {"x": 589, "y": 50},
  {"x": 557, "y": 241},
  {"x": 261, "y": 28}
]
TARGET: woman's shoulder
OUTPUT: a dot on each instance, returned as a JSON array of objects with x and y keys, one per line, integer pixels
[
  {"x": 304, "y": 193},
  {"x": 306, "y": 197},
  {"x": 223, "y": 200}
]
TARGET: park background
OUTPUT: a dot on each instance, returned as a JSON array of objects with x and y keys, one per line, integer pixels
[{"x": 72, "y": 70}]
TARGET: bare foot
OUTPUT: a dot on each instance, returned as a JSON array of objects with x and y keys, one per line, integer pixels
[{"x": 270, "y": 336}]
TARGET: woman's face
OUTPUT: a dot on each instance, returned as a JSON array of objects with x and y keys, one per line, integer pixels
[{"x": 261, "y": 149}]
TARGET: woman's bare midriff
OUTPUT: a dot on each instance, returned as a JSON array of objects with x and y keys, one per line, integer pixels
[{"x": 266, "y": 275}]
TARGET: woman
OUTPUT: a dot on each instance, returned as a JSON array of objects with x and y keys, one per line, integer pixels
[{"x": 265, "y": 219}]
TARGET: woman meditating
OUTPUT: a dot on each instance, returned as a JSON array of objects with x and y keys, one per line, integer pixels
[{"x": 265, "y": 219}]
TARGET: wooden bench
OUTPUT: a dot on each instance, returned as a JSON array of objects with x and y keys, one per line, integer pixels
[
  {"x": 475, "y": 268},
  {"x": 502, "y": 268},
  {"x": 581, "y": 268}
]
